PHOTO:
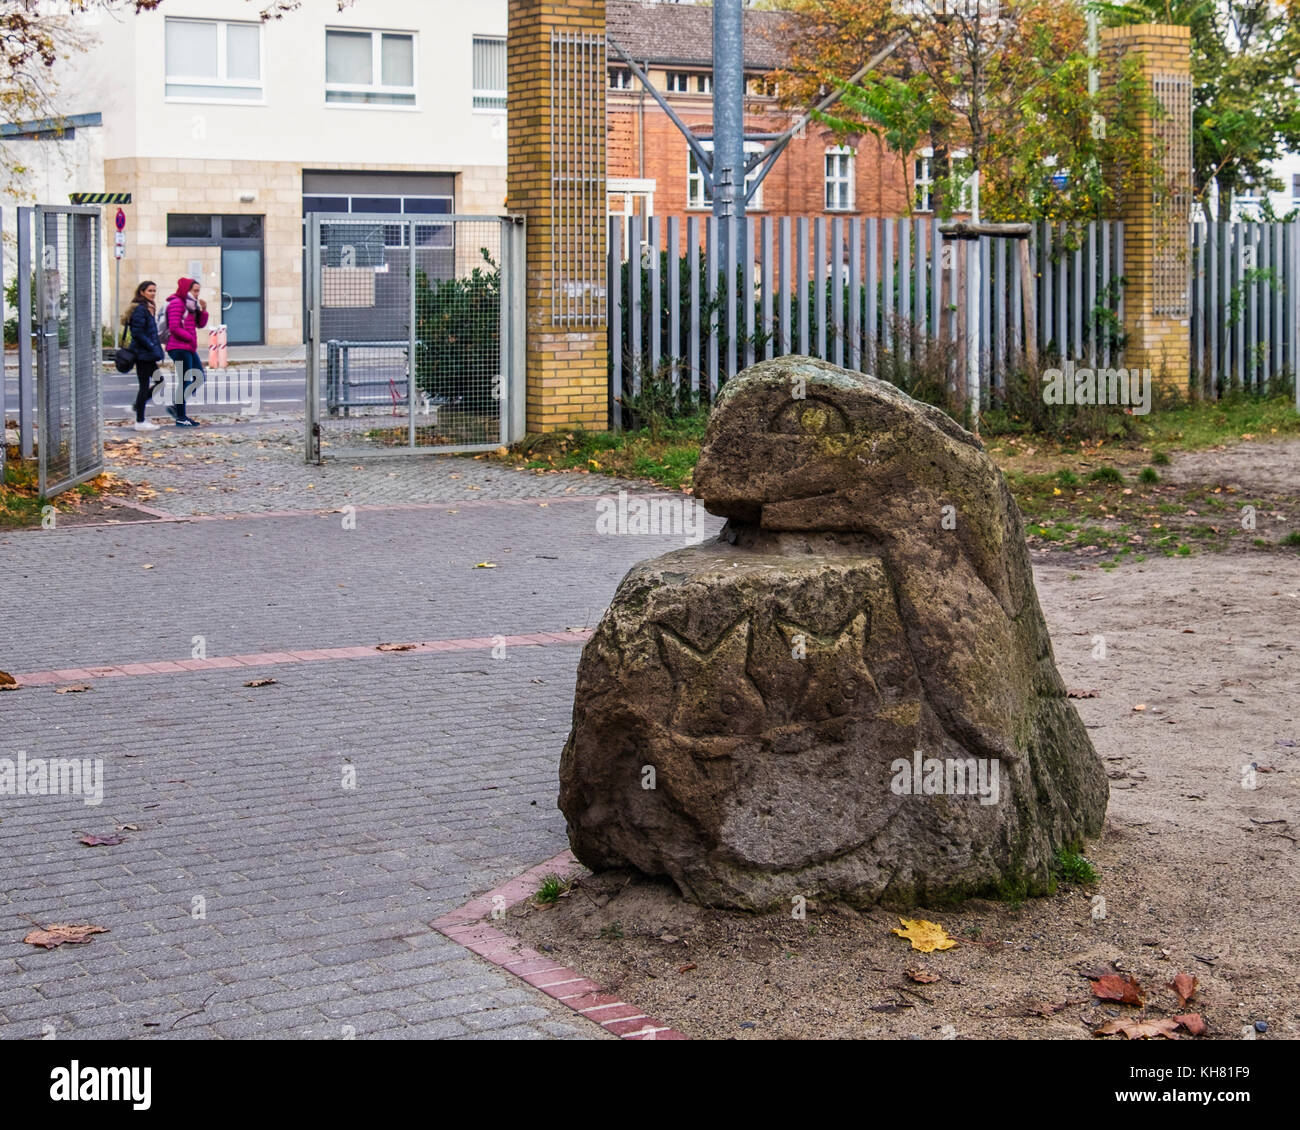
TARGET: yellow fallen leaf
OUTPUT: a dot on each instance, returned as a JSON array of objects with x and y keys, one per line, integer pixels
[
  {"x": 485, "y": 565},
  {"x": 925, "y": 936}
]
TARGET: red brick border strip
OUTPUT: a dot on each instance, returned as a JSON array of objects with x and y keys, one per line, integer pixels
[
  {"x": 312, "y": 655},
  {"x": 470, "y": 927}
]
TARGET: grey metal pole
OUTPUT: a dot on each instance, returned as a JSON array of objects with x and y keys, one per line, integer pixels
[
  {"x": 26, "y": 385},
  {"x": 728, "y": 117}
]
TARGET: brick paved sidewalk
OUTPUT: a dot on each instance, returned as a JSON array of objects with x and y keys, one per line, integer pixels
[
  {"x": 316, "y": 898},
  {"x": 250, "y": 468}
]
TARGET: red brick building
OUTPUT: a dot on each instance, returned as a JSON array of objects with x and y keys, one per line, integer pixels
[{"x": 650, "y": 166}]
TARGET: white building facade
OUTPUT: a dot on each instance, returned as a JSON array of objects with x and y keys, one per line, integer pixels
[{"x": 226, "y": 130}]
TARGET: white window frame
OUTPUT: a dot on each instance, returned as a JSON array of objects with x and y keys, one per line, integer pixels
[
  {"x": 923, "y": 181},
  {"x": 834, "y": 153},
  {"x": 704, "y": 83},
  {"x": 674, "y": 77},
  {"x": 221, "y": 80},
  {"x": 377, "y": 71},
  {"x": 964, "y": 190},
  {"x": 620, "y": 78},
  {"x": 699, "y": 200},
  {"x": 477, "y": 92}
]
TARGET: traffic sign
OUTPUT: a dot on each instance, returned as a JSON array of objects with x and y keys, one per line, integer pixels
[
  {"x": 119, "y": 245},
  {"x": 120, "y": 221}
]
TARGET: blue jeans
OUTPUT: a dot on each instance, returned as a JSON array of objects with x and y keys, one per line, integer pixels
[{"x": 189, "y": 371}]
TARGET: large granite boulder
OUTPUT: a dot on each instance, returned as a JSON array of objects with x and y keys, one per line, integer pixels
[{"x": 850, "y": 694}]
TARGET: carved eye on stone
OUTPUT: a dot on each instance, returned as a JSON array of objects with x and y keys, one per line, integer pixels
[
  {"x": 730, "y": 704},
  {"x": 811, "y": 417},
  {"x": 849, "y": 689}
]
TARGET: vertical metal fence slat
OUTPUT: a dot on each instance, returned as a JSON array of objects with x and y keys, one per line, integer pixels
[
  {"x": 819, "y": 282},
  {"x": 1000, "y": 315},
  {"x": 873, "y": 295},
  {"x": 936, "y": 281},
  {"x": 1119, "y": 275},
  {"x": 1077, "y": 300},
  {"x": 986, "y": 315},
  {"x": 1259, "y": 327},
  {"x": 1091, "y": 294},
  {"x": 769, "y": 325},
  {"x": 674, "y": 259},
  {"x": 1210, "y": 309},
  {"x": 785, "y": 345},
  {"x": 729, "y": 292},
  {"x": 1197, "y": 319},
  {"x": 1016, "y": 303},
  {"x": 693, "y": 274},
  {"x": 1277, "y": 285},
  {"x": 1046, "y": 335},
  {"x": 747, "y": 285},
  {"x": 905, "y": 289},
  {"x": 919, "y": 274},
  {"x": 837, "y": 289},
  {"x": 656, "y": 298},
  {"x": 855, "y": 294},
  {"x": 712, "y": 268},
  {"x": 1243, "y": 301},
  {"x": 1063, "y": 294},
  {"x": 634, "y": 285},
  {"x": 800, "y": 282},
  {"x": 616, "y": 319},
  {"x": 888, "y": 277}
]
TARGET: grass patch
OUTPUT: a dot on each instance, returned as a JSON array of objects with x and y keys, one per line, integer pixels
[
  {"x": 553, "y": 888},
  {"x": 21, "y": 504},
  {"x": 1148, "y": 476},
  {"x": 1074, "y": 868},
  {"x": 1293, "y": 538},
  {"x": 1105, "y": 474}
]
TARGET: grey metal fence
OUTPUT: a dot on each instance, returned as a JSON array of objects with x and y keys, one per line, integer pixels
[
  {"x": 59, "y": 320},
  {"x": 880, "y": 295},
  {"x": 414, "y": 334},
  {"x": 1245, "y": 305}
]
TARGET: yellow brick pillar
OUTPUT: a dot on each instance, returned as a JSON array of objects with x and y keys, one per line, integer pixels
[
  {"x": 1156, "y": 207},
  {"x": 555, "y": 175}
]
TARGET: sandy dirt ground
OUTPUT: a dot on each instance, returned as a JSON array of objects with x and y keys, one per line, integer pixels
[{"x": 1191, "y": 667}]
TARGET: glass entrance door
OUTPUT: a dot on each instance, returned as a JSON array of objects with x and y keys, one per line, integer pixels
[{"x": 241, "y": 294}]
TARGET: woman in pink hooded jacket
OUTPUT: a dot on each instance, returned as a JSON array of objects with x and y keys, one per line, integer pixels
[{"x": 187, "y": 313}]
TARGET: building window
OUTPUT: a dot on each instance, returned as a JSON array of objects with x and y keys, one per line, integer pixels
[
  {"x": 839, "y": 179},
  {"x": 189, "y": 230},
  {"x": 620, "y": 78},
  {"x": 489, "y": 73},
  {"x": 369, "y": 68},
  {"x": 679, "y": 82},
  {"x": 1295, "y": 185},
  {"x": 394, "y": 235},
  {"x": 697, "y": 193},
  {"x": 704, "y": 84},
  {"x": 210, "y": 59},
  {"x": 760, "y": 86},
  {"x": 923, "y": 181}
]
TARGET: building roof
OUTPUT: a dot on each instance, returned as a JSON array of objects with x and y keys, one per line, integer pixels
[{"x": 683, "y": 34}]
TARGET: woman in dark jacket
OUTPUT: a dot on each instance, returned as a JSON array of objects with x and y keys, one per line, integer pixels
[{"x": 142, "y": 320}]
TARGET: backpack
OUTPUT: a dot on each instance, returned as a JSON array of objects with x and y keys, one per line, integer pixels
[{"x": 164, "y": 328}]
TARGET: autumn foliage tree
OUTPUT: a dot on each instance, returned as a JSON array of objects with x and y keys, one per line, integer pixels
[{"x": 997, "y": 87}]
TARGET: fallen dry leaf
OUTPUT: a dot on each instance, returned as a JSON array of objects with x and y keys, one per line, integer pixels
[
  {"x": 1194, "y": 1023},
  {"x": 923, "y": 976},
  {"x": 7, "y": 680},
  {"x": 73, "y": 688},
  {"x": 101, "y": 841},
  {"x": 1140, "y": 1029},
  {"x": 260, "y": 683},
  {"x": 925, "y": 936},
  {"x": 485, "y": 565},
  {"x": 686, "y": 968},
  {"x": 1185, "y": 985},
  {"x": 1113, "y": 987},
  {"x": 395, "y": 647},
  {"x": 1140, "y": 706},
  {"x": 128, "y": 827},
  {"x": 146, "y": 566},
  {"x": 54, "y": 936}
]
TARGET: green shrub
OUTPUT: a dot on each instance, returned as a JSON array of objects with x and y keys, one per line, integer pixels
[
  {"x": 1105, "y": 474},
  {"x": 1148, "y": 475},
  {"x": 458, "y": 337}
]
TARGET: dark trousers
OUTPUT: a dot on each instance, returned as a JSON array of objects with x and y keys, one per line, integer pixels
[
  {"x": 144, "y": 371},
  {"x": 189, "y": 371}
]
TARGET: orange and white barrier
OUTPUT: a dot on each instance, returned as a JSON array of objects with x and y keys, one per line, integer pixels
[{"x": 217, "y": 347}]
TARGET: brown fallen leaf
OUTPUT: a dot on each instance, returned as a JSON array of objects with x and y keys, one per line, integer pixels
[
  {"x": 260, "y": 683},
  {"x": 101, "y": 841},
  {"x": 1140, "y": 706},
  {"x": 1185, "y": 985},
  {"x": 686, "y": 968},
  {"x": 128, "y": 827},
  {"x": 923, "y": 976},
  {"x": 395, "y": 647},
  {"x": 7, "y": 680},
  {"x": 1140, "y": 1029},
  {"x": 54, "y": 936},
  {"x": 73, "y": 688},
  {"x": 1113, "y": 987},
  {"x": 1194, "y": 1023}
]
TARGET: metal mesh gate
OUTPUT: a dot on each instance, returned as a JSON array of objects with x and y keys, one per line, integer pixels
[
  {"x": 64, "y": 285},
  {"x": 413, "y": 336}
]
